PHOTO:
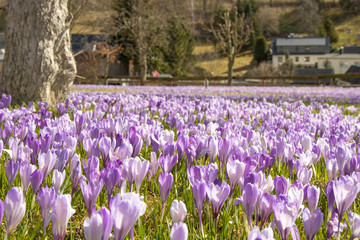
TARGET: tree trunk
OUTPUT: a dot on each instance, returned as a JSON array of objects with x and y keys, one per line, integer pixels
[
  {"x": 143, "y": 70},
  {"x": 230, "y": 71},
  {"x": 38, "y": 64}
]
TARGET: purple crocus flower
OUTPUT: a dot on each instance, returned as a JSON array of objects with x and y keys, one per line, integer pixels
[
  {"x": 155, "y": 144},
  {"x": 44, "y": 143},
  {"x": 313, "y": 194},
  {"x": 266, "y": 202},
  {"x": 92, "y": 165},
  {"x": 250, "y": 197},
  {"x": 61, "y": 214},
  {"x": 213, "y": 149},
  {"x": 154, "y": 165},
  {"x": 167, "y": 162},
  {"x": 136, "y": 142},
  {"x": 199, "y": 193},
  {"x": 111, "y": 177},
  {"x": 46, "y": 198},
  {"x": 80, "y": 120},
  {"x": 165, "y": 184},
  {"x": 25, "y": 172},
  {"x": 266, "y": 234},
  {"x": 281, "y": 185},
  {"x": 139, "y": 171},
  {"x": 99, "y": 225},
  {"x": 225, "y": 146},
  {"x": 75, "y": 171},
  {"x": 334, "y": 227},
  {"x": 125, "y": 209},
  {"x": 179, "y": 231},
  {"x": 181, "y": 145},
  {"x": 331, "y": 169},
  {"x": 235, "y": 170},
  {"x": 285, "y": 214},
  {"x": 33, "y": 144},
  {"x": 178, "y": 211},
  {"x": 11, "y": 170},
  {"x": 345, "y": 191},
  {"x": 330, "y": 195},
  {"x": 36, "y": 179},
  {"x": 47, "y": 162},
  {"x": 354, "y": 221},
  {"x": 312, "y": 222},
  {"x": 304, "y": 175},
  {"x": 104, "y": 146},
  {"x": 58, "y": 179},
  {"x": 14, "y": 207},
  {"x": 91, "y": 192},
  {"x": 169, "y": 149},
  {"x": 217, "y": 195}
]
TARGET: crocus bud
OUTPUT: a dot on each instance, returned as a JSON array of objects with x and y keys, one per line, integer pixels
[
  {"x": 62, "y": 211},
  {"x": 312, "y": 222},
  {"x": 313, "y": 194},
  {"x": 11, "y": 170},
  {"x": 178, "y": 211},
  {"x": 281, "y": 185},
  {"x": 36, "y": 178},
  {"x": 250, "y": 198},
  {"x": 25, "y": 172},
  {"x": 58, "y": 179},
  {"x": 14, "y": 207},
  {"x": 46, "y": 198},
  {"x": 165, "y": 184}
]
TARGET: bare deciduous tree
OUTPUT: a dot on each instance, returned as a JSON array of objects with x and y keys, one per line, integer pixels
[
  {"x": 76, "y": 7},
  {"x": 230, "y": 36},
  {"x": 268, "y": 20},
  {"x": 92, "y": 63},
  {"x": 307, "y": 17},
  {"x": 146, "y": 26}
]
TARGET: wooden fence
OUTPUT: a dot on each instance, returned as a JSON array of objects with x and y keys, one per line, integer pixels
[{"x": 222, "y": 80}]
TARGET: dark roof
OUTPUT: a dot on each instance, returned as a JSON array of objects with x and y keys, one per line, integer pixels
[
  {"x": 353, "y": 69},
  {"x": 352, "y": 50},
  {"x": 301, "y": 45},
  {"x": 2, "y": 40},
  {"x": 79, "y": 41},
  {"x": 312, "y": 71}
]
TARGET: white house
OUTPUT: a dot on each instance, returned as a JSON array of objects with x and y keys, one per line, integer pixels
[
  {"x": 303, "y": 51},
  {"x": 341, "y": 60}
]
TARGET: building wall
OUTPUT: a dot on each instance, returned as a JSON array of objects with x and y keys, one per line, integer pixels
[
  {"x": 304, "y": 60},
  {"x": 340, "y": 66}
]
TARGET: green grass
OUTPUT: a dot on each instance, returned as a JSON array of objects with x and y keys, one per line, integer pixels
[{"x": 219, "y": 65}]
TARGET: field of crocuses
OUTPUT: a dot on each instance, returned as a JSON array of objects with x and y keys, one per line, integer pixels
[{"x": 182, "y": 163}]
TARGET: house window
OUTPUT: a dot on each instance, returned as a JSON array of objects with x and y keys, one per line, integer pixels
[
  {"x": 307, "y": 49},
  {"x": 280, "y": 59},
  {"x": 321, "y": 48},
  {"x": 281, "y": 49},
  {"x": 307, "y": 59},
  {"x": 344, "y": 64},
  {"x": 296, "y": 59},
  {"x": 297, "y": 49}
]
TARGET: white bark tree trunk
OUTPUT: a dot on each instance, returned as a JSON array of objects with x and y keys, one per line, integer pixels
[{"x": 38, "y": 64}]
